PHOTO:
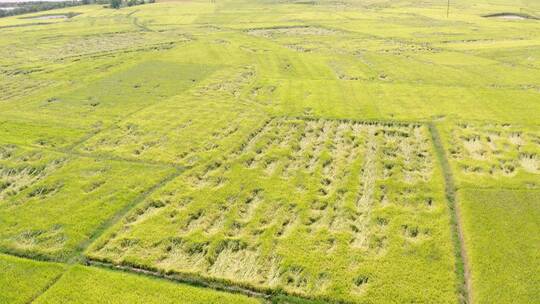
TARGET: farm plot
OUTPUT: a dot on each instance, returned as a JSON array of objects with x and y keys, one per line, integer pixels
[
  {"x": 495, "y": 155},
  {"x": 20, "y": 168},
  {"x": 496, "y": 166},
  {"x": 22, "y": 280},
  {"x": 502, "y": 234},
  {"x": 328, "y": 209},
  {"x": 152, "y": 139},
  {"x": 118, "y": 94},
  {"x": 91, "y": 33},
  {"x": 51, "y": 213},
  {"x": 204, "y": 122},
  {"x": 100, "y": 44},
  {"x": 290, "y": 31},
  {"x": 39, "y": 134},
  {"x": 65, "y": 117},
  {"x": 19, "y": 86},
  {"x": 372, "y": 78},
  {"x": 110, "y": 287}
]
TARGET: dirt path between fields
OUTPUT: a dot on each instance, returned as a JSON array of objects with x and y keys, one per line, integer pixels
[
  {"x": 462, "y": 259},
  {"x": 464, "y": 255}
]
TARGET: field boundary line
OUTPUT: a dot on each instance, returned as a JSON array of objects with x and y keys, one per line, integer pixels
[
  {"x": 263, "y": 293},
  {"x": 68, "y": 152},
  {"x": 31, "y": 255},
  {"x": 132, "y": 12},
  {"x": 47, "y": 287},
  {"x": 180, "y": 278},
  {"x": 78, "y": 254},
  {"x": 425, "y": 84},
  {"x": 385, "y": 122},
  {"x": 141, "y": 26},
  {"x": 462, "y": 265},
  {"x": 492, "y": 188},
  {"x": 112, "y": 157}
]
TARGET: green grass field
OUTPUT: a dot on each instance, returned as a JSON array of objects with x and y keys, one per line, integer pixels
[{"x": 269, "y": 151}]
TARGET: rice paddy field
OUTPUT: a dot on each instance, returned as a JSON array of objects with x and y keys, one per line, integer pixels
[{"x": 271, "y": 151}]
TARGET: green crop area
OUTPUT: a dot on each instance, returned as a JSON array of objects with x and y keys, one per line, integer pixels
[
  {"x": 23, "y": 280},
  {"x": 496, "y": 166},
  {"x": 502, "y": 231},
  {"x": 34, "y": 222},
  {"x": 271, "y": 151},
  {"x": 81, "y": 285}
]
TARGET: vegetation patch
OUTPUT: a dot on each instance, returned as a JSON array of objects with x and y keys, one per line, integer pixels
[
  {"x": 54, "y": 216},
  {"x": 21, "y": 168},
  {"x": 205, "y": 122},
  {"x": 16, "y": 85},
  {"x": 23, "y": 280},
  {"x": 112, "y": 42},
  {"x": 486, "y": 154},
  {"x": 290, "y": 31}
]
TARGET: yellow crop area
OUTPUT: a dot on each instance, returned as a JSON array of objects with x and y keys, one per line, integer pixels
[{"x": 270, "y": 151}]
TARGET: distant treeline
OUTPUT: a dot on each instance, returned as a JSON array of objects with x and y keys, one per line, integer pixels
[
  {"x": 31, "y": 7},
  {"x": 120, "y": 3},
  {"x": 19, "y": 8}
]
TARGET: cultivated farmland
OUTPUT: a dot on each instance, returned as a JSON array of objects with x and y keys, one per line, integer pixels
[
  {"x": 359, "y": 196},
  {"x": 268, "y": 151}
]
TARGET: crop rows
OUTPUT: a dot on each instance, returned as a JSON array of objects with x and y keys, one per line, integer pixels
[{"x": 325, "y": 188}]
